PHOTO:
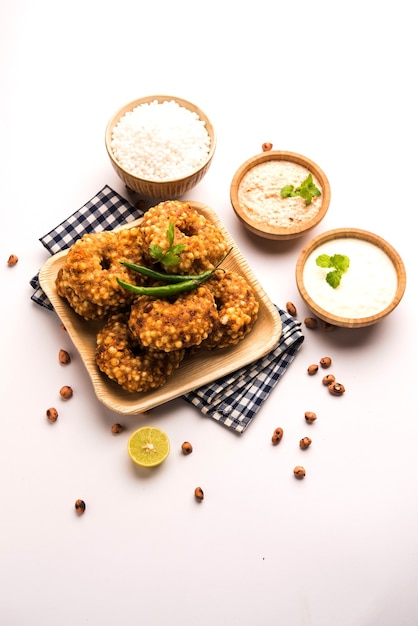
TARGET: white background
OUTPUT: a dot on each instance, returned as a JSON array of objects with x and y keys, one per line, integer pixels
[{"x": 332, "y": 81}]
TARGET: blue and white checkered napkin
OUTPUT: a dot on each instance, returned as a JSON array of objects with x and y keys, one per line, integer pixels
[{"x": 233, "y": 400}]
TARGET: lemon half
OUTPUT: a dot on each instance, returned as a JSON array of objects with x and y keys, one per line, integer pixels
[{"x": 148, "y": 446}]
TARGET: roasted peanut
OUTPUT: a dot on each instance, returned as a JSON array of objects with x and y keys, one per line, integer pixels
[
  {"x": 305, "y": 442},
  {"x": 310, "y": 417},
  {"x": 186, "y": 447},
  {"x": 66, "y": 392},
  {"x": 116, "y": 428},
  {"x": 327, "y": 326},
  {"x": 80, "y": 506},
  {"x": 63, "y": 357},
  {"x": 325, "y": 362},
  {"x": 12, "y": 260},
  {"x": 291, "y": 309},
  {"x": 52, "y": 415},
  {"x": 277, "y": 436},
  {"x": 267, "y": 146},
  {"x": 337, "y": 389},
  {"x": 198, "y": 493},
  {"x": 312, "y": 369},
  {"x": 328, "y": 379},
  {"x": 311, "y": 322},
  {"x": 299, "y": 472}
]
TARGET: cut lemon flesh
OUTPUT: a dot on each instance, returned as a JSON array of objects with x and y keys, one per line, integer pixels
[{"x": 148, "y": 446}]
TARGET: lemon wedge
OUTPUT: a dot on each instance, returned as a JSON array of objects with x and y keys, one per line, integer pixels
[{"x": 148, "y": 446}]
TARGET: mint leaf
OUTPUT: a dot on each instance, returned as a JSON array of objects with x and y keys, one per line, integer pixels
[
  {"x": 324, "y": 260},
  {"x": 340, "y": 263},
  {"x": 306, "y": 190},
  {"x": 333, "y": 278},
  {"x": 287, "y": 191}
]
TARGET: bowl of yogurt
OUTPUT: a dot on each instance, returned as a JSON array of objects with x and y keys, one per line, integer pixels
[
  {"x": 280, "y": 195},
  {"x": 350, "y": 277}
]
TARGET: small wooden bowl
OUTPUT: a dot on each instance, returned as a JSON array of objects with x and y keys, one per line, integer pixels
[
  {"x": 399, "y": 279},
  {"x": 168, "y": 189},
  {"x": 269, "y": 231}
]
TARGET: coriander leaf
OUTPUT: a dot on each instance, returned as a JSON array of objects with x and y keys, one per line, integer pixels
[
  {"x": 324, "y": 260},
  {"x": 169, "y": 256},
  {"x": 156, "y": 251},
  {"x": 334, "y": 278},
  {"x": 170, "y": 233},
  {"x": 169, "y": 259}
]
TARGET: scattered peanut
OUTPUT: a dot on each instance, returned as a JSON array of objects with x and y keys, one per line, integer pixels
[
  {"x": 80, "y": 506},
  {"x": 291, "y": 309},
  {"x": 198, "y": 493},
  {"x": 186, "y": 447},
  {"x": 66, "y": 392},
  {"x": 299, "y": 472},
  {"x": 312, "y": 369},
  {"x": 12, "y": 260},
  {"x": 52, "y": 415},
  {"x": 310, "y": 417},
  {"x": 116, "y": 428},
  {"x": 328, "y": 379},
  {"x": 325, "y": 362},
  {"x": 337, "y": 389},
  {"x": 63, "y": 357},
  {"x": 305, "y": 442},
  {"x": 311, "y": 322},
  {"x": 277, "y": 436},
  {"x": 267, "y": 146},
  {"x": 327, "y": 326}
]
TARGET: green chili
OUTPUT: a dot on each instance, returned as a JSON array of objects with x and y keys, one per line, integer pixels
[
  {"x": 162, "y": 277},
  {"x": 185, "y": 282},
  {"x": 163, "y": 291}
]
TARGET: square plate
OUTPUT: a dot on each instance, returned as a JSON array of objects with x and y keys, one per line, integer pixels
[{"x": 200, "y": 369}]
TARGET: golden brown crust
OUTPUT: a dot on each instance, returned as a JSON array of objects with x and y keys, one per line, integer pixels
[
  {"x": 122, "y": 358},
  {"x": 92, "y": 265},
  {"x": 86, "y": 309},
  {"x": 175, "y": 323},
  {"x": 205, "y": 243},
  {"x": 237, "y": 309}
]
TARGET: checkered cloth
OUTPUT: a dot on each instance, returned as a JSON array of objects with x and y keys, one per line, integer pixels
[{"x": 233, "y": 400}]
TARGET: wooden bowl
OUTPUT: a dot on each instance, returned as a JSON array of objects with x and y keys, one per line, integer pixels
[
  {"x": 370, "y": 289},
  {"x": 167, "y": 189},
  {"x": 299, "y": 219}
]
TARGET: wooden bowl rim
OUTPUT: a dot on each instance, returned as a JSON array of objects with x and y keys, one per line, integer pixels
[
  {"x": 345, "y": 233},
  {"x": 270, "y": 232},
  {"x": 160, "y": 98}
]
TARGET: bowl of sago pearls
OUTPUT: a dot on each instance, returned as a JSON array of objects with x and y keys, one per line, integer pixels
[
  {"x": 280, "y": 195},
  {"x": 160, "y": 146},
  {"x": 350, "y": 277}
]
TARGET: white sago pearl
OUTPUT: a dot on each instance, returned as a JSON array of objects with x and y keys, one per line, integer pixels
[{"x": 160, "y": 141}]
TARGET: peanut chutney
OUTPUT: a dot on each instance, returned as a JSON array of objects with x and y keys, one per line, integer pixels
[{"x": 260, "y": 199}]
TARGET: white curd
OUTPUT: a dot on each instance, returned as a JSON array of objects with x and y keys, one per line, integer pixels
[
  {"x": 260, "y": 200},
  {"x": 367, "y": 287}
]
